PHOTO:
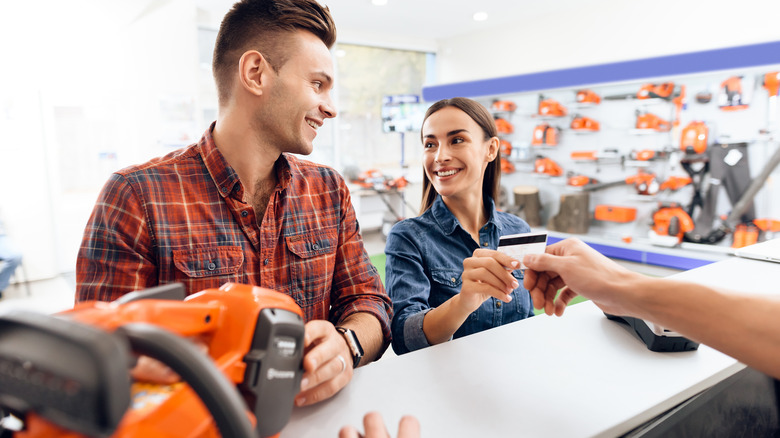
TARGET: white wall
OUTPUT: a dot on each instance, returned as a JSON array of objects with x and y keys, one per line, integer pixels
[{"x": 605, "y": 31}]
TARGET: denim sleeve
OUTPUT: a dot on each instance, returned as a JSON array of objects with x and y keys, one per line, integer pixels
[{"x": 408, "y": 287}]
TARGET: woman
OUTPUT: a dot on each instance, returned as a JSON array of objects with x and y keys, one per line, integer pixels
[{"x": 443, "y": 274}]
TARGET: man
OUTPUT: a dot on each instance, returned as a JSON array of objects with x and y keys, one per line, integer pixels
[
  {"x": 711, "y": 316},
  {"x": 237, "y": 207}
]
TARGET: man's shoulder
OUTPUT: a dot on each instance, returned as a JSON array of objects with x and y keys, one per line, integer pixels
[{"x": 162, "y": 164}]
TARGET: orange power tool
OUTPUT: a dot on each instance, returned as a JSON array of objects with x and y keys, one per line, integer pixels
[
  {"x": 551, "y": 108},
  {"x": 651, "y": 121},
  {"x": 670, "y": 219},
  {"x": 67, "y": 375}
]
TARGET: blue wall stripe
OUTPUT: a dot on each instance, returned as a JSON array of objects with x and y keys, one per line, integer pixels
[
  {"x": 642, "y": 256},
  {"x": 697, "y": 62}
]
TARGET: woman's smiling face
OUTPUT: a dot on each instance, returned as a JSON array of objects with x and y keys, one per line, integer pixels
[{"x": 456, "y": 152}]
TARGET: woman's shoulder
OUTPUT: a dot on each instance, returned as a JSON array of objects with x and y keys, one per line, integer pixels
[{"x": 514, "y": 223}]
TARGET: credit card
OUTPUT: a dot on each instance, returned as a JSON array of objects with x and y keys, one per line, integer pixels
[{"x": 518, "y": 245}]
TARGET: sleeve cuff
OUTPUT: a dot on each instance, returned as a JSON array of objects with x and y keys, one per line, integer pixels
[{"x": 414, "y": 337}]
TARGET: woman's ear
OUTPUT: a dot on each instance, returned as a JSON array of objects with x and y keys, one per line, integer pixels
[{"x": 493, "y": 148}]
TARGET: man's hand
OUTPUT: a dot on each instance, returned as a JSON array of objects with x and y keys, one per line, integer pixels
[
  {"x": 577, "y": 269},
  {"x": 153, "y": 371},
  {"x": 327, "y": 363},
  {"x": 408, "y": 427}
]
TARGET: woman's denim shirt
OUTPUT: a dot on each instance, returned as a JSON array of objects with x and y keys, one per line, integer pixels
[{"x": 424, "y": 266}]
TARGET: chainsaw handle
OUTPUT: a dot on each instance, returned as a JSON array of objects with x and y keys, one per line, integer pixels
[{"x": 197, "y": 370}]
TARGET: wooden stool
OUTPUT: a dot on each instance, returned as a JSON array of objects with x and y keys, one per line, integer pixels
[
  {"x": 574, "y": 214},
  {"x": 527, "y": 202}
]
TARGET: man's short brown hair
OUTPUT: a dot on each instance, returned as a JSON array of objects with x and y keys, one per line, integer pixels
[{"x": 265, "y": 26}]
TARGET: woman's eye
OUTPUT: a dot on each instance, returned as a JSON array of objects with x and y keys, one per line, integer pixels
[
  {"x": 428, "y": 145},
  {"x": 457, "y": 140}
]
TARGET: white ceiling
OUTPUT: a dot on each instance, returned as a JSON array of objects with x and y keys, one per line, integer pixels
[{"x": 425, "y": 19}]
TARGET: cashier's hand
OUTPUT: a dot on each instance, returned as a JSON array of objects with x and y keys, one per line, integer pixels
[
  {"x": 324, "y": 373},
  {"x": 487, "y": 273},
  {"x": 409, "y": 427},
  {"x": 574, "y": 268}
]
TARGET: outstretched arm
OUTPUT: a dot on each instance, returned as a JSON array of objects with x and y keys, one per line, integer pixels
[{"x": 743, "y": 326}]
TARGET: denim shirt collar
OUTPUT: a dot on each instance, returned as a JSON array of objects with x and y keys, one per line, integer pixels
[{"x": 449, "y": 223}]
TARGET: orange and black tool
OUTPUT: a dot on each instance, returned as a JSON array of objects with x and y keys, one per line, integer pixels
[
  {"x": 547, "y": 166},
  {"x": 503, "y": 105},
  {"x": 676, "y": 183},
  {"x": 772, "y": 83},
  {"x": 656, "y": 91},
  {"x": 506, "y": 166},
  {"x": 693, "y": 140},
  {"x": 503, "y": 126},
  {"x": 588, "y": 96},
  {"x": 744, "y": 235},
  {"x": 651, "y": 121},
  {"x": 767, "y": 225},
  {"x": 732, "y": 97},
  {"x": 67, "y": 375},
  {"x": 545, "y": 135},
  {"x": 551, "y": 107},
  {"x": 504, "y": 148},
  {"x": 580, "y": 180},
  {"x": 584, "y": 155},
  {"x": 670, "y": 219},
  {"x": 580, "y": 123},
  {"x": 644, "y": 182}
]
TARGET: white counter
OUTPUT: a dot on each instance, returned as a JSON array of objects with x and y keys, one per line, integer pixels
[{"x": 580, "y": 375}]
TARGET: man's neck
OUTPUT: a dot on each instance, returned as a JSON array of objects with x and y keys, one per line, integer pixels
[{"x": 242, "y": 149}]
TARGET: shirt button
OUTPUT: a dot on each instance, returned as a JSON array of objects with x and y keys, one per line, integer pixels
[
  {"x": 315, "y": 246},
  {"x": 265, "y": 262},
  {"x": 453, "y": 279},
  {"x": 244, "y": 213},
  {"x": 224, "y": 189},
  {"x": 484, "y": 243},
  {"x": 498, "y": 304},
  {"x": 212, "y": 266}
]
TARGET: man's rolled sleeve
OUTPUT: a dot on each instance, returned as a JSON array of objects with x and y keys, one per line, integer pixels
[
  {"x": 357, "y": 286},
  {"x": 114, "y": 257}
]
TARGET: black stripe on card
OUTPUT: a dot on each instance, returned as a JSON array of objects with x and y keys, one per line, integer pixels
[{"x": 536, "y": 238}]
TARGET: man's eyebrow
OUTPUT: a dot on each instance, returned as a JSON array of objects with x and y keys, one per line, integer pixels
[{"x": 324, "y": 75}]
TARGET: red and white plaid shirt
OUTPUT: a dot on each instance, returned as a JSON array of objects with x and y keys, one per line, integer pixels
[{"x": 180, "y": 218}]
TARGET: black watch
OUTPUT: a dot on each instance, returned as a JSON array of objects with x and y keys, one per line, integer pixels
[{"x": 354, "y": 345}]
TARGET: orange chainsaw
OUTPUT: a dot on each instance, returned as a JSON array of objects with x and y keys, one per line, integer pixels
[
  {"x": 545, "y": 134},
  {"x": 503, "y": 126},
  {"x": 580, "y": 123},
  {"x": 645, "y": 184},
  {"x": 588, "y": 96},
  {"x": 67, "y": 375},
  {"x": 547, "y": 166},
  {"x": 503, "y": 106},
  {"x": 550, "y": 107},
  {"x": 651, "y": 121}
]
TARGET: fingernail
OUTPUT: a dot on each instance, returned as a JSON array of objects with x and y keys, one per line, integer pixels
[
  {"x": 304, "y": 383},
  {"x": 515, "y": 264},
  {"x": 515, "y": 284},
  {"x": 300, "y": 401}
]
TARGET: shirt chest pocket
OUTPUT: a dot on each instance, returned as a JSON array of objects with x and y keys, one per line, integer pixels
[
  {"x": 198, "y": 263},
  {"x": 312, "y": 264},
  {"x": 446, "y": 284}
]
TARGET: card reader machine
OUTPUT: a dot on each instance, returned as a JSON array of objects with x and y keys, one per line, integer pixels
[{"x": 654, "y": 336}]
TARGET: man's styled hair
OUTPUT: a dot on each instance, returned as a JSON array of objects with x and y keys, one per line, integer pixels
[
  {"x": 265, "y": 26},
  {"x": 492, "y": 178}
]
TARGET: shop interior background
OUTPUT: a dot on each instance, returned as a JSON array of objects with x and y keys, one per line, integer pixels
[{"x": 90, "y": 86}]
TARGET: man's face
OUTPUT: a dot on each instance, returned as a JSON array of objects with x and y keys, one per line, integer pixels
[{"x": 298, "y": 101}]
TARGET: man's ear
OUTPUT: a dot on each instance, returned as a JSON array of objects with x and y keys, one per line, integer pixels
[{"x": 253, "y": 69}]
